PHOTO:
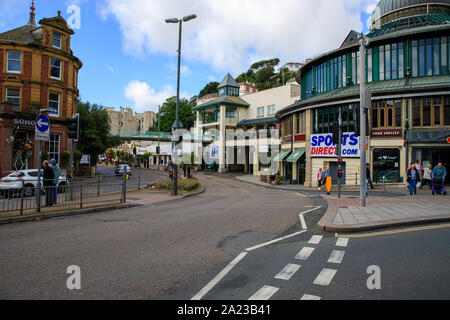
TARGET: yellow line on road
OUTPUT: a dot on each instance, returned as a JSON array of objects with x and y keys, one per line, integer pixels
[{"x": 382, "y": 233}]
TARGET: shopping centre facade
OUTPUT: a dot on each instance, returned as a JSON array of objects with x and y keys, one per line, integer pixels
[{"x": 408, "y": 76}]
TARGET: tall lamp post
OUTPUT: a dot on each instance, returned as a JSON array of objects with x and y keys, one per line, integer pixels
[{"x": 177, "y": 124}]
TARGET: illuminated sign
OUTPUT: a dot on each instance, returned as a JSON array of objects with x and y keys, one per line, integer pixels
[{"x": 322, "y": 146}]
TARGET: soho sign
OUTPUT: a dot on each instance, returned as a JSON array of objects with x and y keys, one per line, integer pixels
[
  {"x": 322, "y": 145},
  {"x": 23, "y": 122}
]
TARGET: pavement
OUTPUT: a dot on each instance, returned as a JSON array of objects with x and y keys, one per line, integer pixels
[{"x": 388, "y": 208}]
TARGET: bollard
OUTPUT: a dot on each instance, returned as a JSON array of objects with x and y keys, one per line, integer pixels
[
  {"x": 81, "y": 196},
  {"x": 21, "y": 198},
  {"x": 124, "y": 186},
  {"x": 139, "y": 182},
  {"x": 98, "y": 186}
]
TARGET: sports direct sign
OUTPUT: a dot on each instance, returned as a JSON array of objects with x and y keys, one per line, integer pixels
[{"x": 322, "y": 146}]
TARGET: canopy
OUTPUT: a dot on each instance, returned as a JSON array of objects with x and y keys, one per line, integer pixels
[
  {"x": 283, "y": 154},
  {"x": 297, "y": 154}
]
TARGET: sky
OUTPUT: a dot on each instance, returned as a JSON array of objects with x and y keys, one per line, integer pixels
[{"x": 129, "y": 53}]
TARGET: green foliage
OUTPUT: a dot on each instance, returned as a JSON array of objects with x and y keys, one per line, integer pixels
[
  {"x": 209, "y": 88},
  {"x": 167, "y": 114},
  {"x": 263, "y": 75},
  {"x": 94, "y": 131},
  {"x": 185, "y": 184},
  {"x": 65, "y": 159}
]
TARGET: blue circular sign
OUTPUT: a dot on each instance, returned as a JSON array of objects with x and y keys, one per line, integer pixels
[{"x": 42, "y": 123}]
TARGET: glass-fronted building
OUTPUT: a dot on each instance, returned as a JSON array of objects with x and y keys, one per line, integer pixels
[{"x": 408, "y": 75}]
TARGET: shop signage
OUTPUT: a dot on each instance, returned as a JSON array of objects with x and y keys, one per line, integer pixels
[
  {"x": 23, "y": 122},
  {"x": 322, "y": 146},
  {"x": 214, "y": 152},
  {"x": 386, "y": 133}
]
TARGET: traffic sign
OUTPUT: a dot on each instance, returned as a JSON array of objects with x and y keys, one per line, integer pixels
[
  {"x": 448, "y": 140},
  {"x": 42, "y": 128}
]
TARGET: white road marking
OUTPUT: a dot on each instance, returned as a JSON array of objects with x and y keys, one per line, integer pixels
[
  {"x": 336, "y": 256},
  {"x": 302, "y": 218},
  {"x": 304, "y": 253},
  {"x": 265, "y": 293},
  {"x": 288, "y": 272},
  {"x": 342, "y": 242},
  {"x": 274, "y": 241},
  {"x": 219, "y": 277},
  {"x": 315, "y": 239},
  {"x": 310, "y": 297},
  {"x": 325, "y": 276}
]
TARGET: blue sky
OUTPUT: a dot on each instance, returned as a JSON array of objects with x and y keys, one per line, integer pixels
[{"x": 129, "y": 52}]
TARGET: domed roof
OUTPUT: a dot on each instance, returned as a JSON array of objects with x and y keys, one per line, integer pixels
[{"x": 385, "y": 7}]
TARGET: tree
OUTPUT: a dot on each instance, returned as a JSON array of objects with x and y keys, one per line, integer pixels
[
  {"x": 94, "y": 131},
  {"x": 262, "y": 74},
  {"x": 209, "y": 88},
  {"x": 167, "y": 114}
]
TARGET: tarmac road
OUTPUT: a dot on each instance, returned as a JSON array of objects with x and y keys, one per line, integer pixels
[{"x": 145, "y": 252}]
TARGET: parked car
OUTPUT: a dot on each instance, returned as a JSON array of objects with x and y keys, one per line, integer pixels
[
  {"x": 120, "y": 169},
  {"x": 27, "y": 179}
]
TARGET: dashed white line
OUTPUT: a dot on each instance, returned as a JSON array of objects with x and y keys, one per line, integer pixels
[
  {"x": 315, "y": 239},
  {"x": 310, "y": 297},
  {"x": 342, "y": 242},
  {"x": 265, "y": 293},
  {"x": 288, "y": 272},
  {"x": 274, "y": 241},
  {"x": 304, "y": 253},
  {"x": 336, "y": 256},
  {"x": 325, "y": 276}
]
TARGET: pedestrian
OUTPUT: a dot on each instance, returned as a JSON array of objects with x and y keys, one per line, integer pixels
[
  {"x": 369, "y": 180},
  {"x": 412, "y": 176},
  {"x": 57, "y": 172},
  {"x": 48, "y": 176},
  {"x": 419, "y": 168},
  {"x": 426, "y": 176},
  {"x": 438, "y": 175},
  {"x": 320, "y": 178}
]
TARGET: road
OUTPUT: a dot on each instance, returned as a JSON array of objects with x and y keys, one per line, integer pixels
[{"x": 146, "y": 252}]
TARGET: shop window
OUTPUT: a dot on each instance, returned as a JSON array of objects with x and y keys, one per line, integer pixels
[
  {"x": 447, "y": 111},
  {"x": 14, "y": 61},
  {"x": 386, "y": 165}
]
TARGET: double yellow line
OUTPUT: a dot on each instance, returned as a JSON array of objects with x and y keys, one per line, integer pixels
[{"x": 382, "y": 233}]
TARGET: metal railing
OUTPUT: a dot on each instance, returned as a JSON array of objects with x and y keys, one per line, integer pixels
[{"x": 29, "y": 199}]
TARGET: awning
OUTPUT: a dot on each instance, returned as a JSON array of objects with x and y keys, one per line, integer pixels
[
  {"x": 283, "y": 154},
  {"x": 297, "y": 154}
]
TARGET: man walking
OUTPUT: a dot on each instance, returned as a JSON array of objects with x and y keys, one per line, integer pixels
[
  {"x": 57, "y": 173},
  {"x": 369, "y": 181},
  {"x": 48, "y": 176},
  {"x": 438, "y": 175}
]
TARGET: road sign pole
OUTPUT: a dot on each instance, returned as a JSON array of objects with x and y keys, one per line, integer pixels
[{"x": 38, "y": 190}]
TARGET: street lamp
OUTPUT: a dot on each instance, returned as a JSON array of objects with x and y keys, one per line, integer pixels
[{"x": 177, "y": 124}]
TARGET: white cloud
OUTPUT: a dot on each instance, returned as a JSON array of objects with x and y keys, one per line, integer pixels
[
  {"x": 230, "y": 35},
  {"x": 145, "y": 98},
  {"x": 111, "y": 69}
]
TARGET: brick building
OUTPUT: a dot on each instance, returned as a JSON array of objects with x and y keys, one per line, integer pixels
[{"x": 38, "y": 70}]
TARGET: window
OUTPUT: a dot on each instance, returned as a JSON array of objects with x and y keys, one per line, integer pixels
[
  {"x": 387, "y": 114},
  {"x": 447, "y": 111},
  {"x": 53, "y": 103},
  {"x": 13, "y": 96},
  {"x": 369, "y": 65},
  {"x": 14, "y": 64},
  {"x": 414, "y": 59},
  {"x": 381, "y": 64},
  {"x": 55, "y": 68},
  {"x": 57, "y": 40},
  {"x": 443, "y": 56},
  {"x": 433, "y": 111},
  {"x": 400, "y": 60},
  {"x": 421, "y": 58},
  {"x": 394, "y": 61},
  {"x": 271, "y": 109},
  {"x": 388, "y": 62},
  {"x": 286, "y": 126},
  {"x": 260, "y": 111},
  {"x": 54, "y": 147},
  {"x": 436, "y": 56},
  {"x": 301, "y": 123},
  {"x": 230, "y": 114}
]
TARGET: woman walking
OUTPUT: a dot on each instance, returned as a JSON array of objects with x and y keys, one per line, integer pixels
[
  {"x": 320, "y": 178},
  {"x": 426, "y": 176},
  {"x": 413, "y": 175}
]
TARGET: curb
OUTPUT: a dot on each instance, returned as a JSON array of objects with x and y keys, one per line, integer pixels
[
  {"x": 64, "y": 214},
  {"x": 326, "y": 223},
  {"x": 193, "y": 194}
]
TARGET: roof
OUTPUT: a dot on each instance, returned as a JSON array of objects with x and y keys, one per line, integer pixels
[
  {"x": 26, "y": 34},
  {"x": 58, "y": 22},
  {"x": 385, "y": 6},
  {"x": 253, "y": 122},
  {"x": 399, "y": 86},
  {"x": 228, "y": 81},
  {"x": 224, "y": 100}
]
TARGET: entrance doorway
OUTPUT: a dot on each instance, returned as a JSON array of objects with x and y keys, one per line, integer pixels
[{"x": 287, "y": 172}]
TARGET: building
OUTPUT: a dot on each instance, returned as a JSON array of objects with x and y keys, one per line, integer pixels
[
  {"x": 126, "y": 120},
  {"x": 241, "y": 115},
  {"x": 247, "y": 88},
  {"x": 38, "y": 70},
  {"x": 408, "y": 76},
  {"x": 292, "y": 66}
]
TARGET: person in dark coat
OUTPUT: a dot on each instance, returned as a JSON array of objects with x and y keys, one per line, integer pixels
[
  {"x": 369, "y": 180},
  {"x": 413, "y": 175},
  {"x": 48, "y": 177}
]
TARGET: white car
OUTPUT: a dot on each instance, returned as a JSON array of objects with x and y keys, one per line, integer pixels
[
  {"x": 121, "y": 168},
  {"x": 28, "y": 179}
]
